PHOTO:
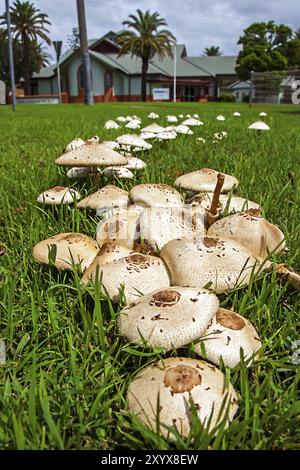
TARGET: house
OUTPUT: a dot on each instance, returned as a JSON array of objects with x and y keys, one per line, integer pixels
[
  {"x": 239, "y": 89},
  {"x": 119, "y": 78}
]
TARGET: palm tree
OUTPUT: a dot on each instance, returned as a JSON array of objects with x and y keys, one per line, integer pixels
[
  {"x": 28, "y": 25},
  {"x": 144, "y": 39},
  {"x": 212, "y": 51}
]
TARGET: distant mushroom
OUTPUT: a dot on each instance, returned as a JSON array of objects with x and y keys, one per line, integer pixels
[
  {"x": 105, "y": 198},
  {"x": 58, "y": 195},
  {"x": 205, "y": 180},
  {"x": 227, "y": 335},
  {"x": 169, "y": 318},
  {"x": 153, "y": 128},
  {"x": 68, "y": 249},
  {"x": 259, "y": 126},
  {"x": 74, "y": 144},
  {"x": 133, "y": 124},
  {"x": 111, "y": 125},
  {"x": 263, "y": 114},
  {"x": 200, "y": 139},
  {"x": 148, "y": 135},
  {"x": 160, "y": 396},
  {"x": 182, "y": 129},
  {"x": 236, "y": 114},
  {"x": 91, "y": 155},
  {"x": 166, "y": 135},
  {"x": 171, "y": 118},
  {"x": 153, "y": 115},
  {"x": 198, "y": 261},
  {"x": 192, "y": 122},
  {"x": 220, "y": 118},
  {"x": 155, "y": 194},
  {"x": 121, "y": 119},
  {"x": 133, "y": 141}
]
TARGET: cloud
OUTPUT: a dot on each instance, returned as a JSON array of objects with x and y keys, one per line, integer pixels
[{"x": 196, "y": 23}]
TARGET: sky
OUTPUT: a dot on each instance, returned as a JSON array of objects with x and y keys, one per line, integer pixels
[{"x": 195, "y": 23}]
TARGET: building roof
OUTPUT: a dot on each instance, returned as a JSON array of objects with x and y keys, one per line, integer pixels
[
  {"x": 216, "y": 65},
  {"x": 239, "y": 85}
]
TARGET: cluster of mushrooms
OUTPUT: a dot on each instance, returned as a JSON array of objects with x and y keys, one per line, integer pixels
[{"x": 165, "y": 255}]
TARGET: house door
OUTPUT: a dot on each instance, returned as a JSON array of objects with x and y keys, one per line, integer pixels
[
  {"x": 108, "y": 86},
  {"x": 189, "y": 93}
]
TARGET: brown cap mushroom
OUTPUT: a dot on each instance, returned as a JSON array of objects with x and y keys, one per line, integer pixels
[
  {"x": 155, "y": 194},
  {"x": 74, "y": 144},
  {"x": 229, "y": 203},
  {"x": 105, "y": 198},
  {"x": 161, "y": 393},
  {"x": 91, "y": 154},
  {"x": 58, "y": 195},
  {"x": 227, "y": 335},
  {"x": 205, "y": 180},
  {"x": 169, "y": 318},
  {"x": 121, "y": 228},
  {"x": 197, "y": 261},
  {"x": 70, "y": 248}
]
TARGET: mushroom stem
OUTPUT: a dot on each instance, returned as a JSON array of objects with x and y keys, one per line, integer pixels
[
  {"x": 212, "y": 213},
  {"x": 292, "y": 277}
]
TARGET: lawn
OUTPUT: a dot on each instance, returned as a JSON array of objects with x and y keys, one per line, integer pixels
[{"x": 67, "y": 370}]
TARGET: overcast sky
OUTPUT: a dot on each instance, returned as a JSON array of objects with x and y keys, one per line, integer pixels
[{"x": 196, "y": 23}]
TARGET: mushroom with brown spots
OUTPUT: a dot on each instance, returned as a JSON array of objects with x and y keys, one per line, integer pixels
[
  {"x": 121, "y": 228},
  {"x": 227, "y": 336},
  {"x": 228, "y": 203},
  {"x": 155, "y": 194},
  {"x": 105, "y": 198},
  {"x": 175, "y": 382},
  {"x": 92, "y": 154},
  {"x": 205, "y": 180},
  {"x": 169, "y": 318},
  {"x": 58, "y": 195}
]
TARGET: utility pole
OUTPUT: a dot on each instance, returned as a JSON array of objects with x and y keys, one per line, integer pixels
[
  {"x": 85, "y": 56},
  {"x": 174, "y": 84},
  {"x": 10, "y": 58},
  {"x": 58, "y": 46}
]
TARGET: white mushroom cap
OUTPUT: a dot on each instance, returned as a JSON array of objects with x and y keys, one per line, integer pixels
[
  {"x": 111, "y": 125},
  {"x": 248, "y": 228},
  {"x": 133, "y": 141},
  {"x": 166, "y": 135},
  {"x": 152, "y": 194},
  {"x": 159, "y": 225},
  {"x": 220, "y": 118},
  {"x": 92, "y": 154},
  {"x": 188, "y": 115},
  {"x": 218, "y": 135},
  {"x": 79, "y": 172},
  {"x": 74, "y": 144},
  {"x": 263, "y": 114},
  {"x": 182, "y": 129},
  {"x": 205, "y": 180},
  {"x": 137, "y": 273},
  {"x": 133, "y": 124},
  {"x": 111, "y": 144},
  {"x": 173, "y": 382},
  {"x": 58, "y": 195},
  {"x": 197, "y": 261},
  {"x": 155, "y": 128},
  {"x": 172, "y": 119},
  {"x": 196, "y": 116},
  {"x": 236, "y": 114},
  {"x": 71, "y": 248},
  {"x": 181, "y": 116},
  {"x": 121, "y": 228},
  {"x": 147, "y": 135},
  {"x": 153, "y": 116},
  {"x": 108, "y": 253},
  {"x": 121, "y": 119},
  {"x": 170, "y": 128},
  {"x": 105, "y": 198},
  {"x": 228, "y": 334},
  {"x": 227, "y": 202},
  {"x": 135, "y": 163},
  {"x": 259, "y": 126},
  {"x": 192, "y": 122},
  {"x": 118, "y": 171},
  {"x": 169, "y": 318},
  {"x": 200, "y": 139}
]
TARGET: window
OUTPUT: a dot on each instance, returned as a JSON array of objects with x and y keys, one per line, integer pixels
[
  {"x": 81, "y": 77},
  {"x": 108, "y": 80}
]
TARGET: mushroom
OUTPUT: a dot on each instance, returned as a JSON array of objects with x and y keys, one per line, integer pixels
[
  {"x": 219, "y": 264},
  {"x": 161, "y": 394},
  {"x": 292, "y": 276},
  {"x": 251, "y": 230},
  {"x": 205, "y": 180},
  {"x": 111, "y": 144},
  {"x": 263, "y": 114},
  {"x": 182, "y": 129},
  {"x": 236, "y": 114},
  {"x": 153, "y": 128},
  {"x": 192, "y": 122},
  {"x": 181, "y": 116},
  {"x": 172, "y": 118},
  {"x": 218, "y": 135},
  {"x": 74, "y": 144},
  {"x": 80, "y": 172},
  {"x": 58, "y": 195},
  {"x": 137, "y": 273},
  {"x": 108, "y": 253},
  {"x": 227, "y": 335},
  {"x": 121, "y": 227},
  {"x": 259, "y": 126},
  {"x": 196, "y": 116},
  {"x": 166, "y": 135},
  {"x": 147, "y": 135},
  {"x": 155, "y": 194},
  {"x": 159, "y": 225},
  {"x": 91, "y": 155},
  {"x": 121, "y": 119},
  {"x": 133, "y": 140},
  {"x": 133, "y": 124},
  {"x": 169, "y": 318},
  {"x": 111, "y": 125},
  {"x": 66, "y": 249},
  {"x": 220, "y": 118},
  {"x": 200, "y": 139},
  {"x": 153, "y": 116},
  {"x": 105, "y": 198},
  {"x": 135, "y": 163},
  {"x": 118, "y": 172},
  {"x": 228, "y": 203}
]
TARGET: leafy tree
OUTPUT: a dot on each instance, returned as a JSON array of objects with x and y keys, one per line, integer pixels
[
  {"x": 28, "y": 25},
  {"x": 144, "y": 39},
  {"x": 73, "y": 40},
  {"x": 212, "y": 51}
]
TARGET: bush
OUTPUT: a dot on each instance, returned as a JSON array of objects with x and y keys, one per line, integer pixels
[
  {"x": 246, "y": 98},
  {"x": 227, "y": 98}
]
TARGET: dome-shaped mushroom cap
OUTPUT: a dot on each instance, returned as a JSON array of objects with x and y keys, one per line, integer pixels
[
  {"x": 135, "y": 163},
  {"x": 139, "y": 274},
  {"x": 192, "y": 122},
  {"x": 121, "y": 119},
  {"x": 147, "y": 135},
  {"x": 172, "y": 119},
  {"x": 118, "y": 171},
  {"x": 58, "y": 195},
  {"x": 166, "y": 135},
  {"x": 133, "y": 140},
  {"x": 121, "y": 228},
  {"x": 259, "y": 126},
  {"x": 153, "y": 115},
  {"x": 74, "y": 144},
  {"x": 155, "y": 128},
  {"x": 236, "y": 114},
  {"x": 71, "y": 248},
  {"x": 220, "y": 118},
  {"x": 197, "y": 261},
  {"x": 91, "y": 154},
  {"x": 159, "y": 225},
  {"x": 227, "y": 334},
  {"x": 205, "y": 180},
  {"x": 79, "y": 172},
  {"x": 248, "y": 228},
  {"x": 133, "y": 124},
  {"x": 169, "y": 318},
  {"x": 182, "y": 129},
  {"x": 111, "y": 125},
  {"x": 105, "y": 198},
  {"x": 228, "y": 202},
  {"x": 108, "y": 253},
  {"x": 111, "y": 144},
  {"x": 155, "y": 194},
  {"x": 173, "y": 382},
  {"x": 263, "y": 114}
]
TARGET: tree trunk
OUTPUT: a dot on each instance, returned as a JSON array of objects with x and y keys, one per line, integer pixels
[
  {"x": 145, "y": 65},
  {"x": 26, "y": 64}
]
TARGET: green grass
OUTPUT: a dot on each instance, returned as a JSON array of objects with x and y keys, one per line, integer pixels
[{"x": 67, "y": 371}]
